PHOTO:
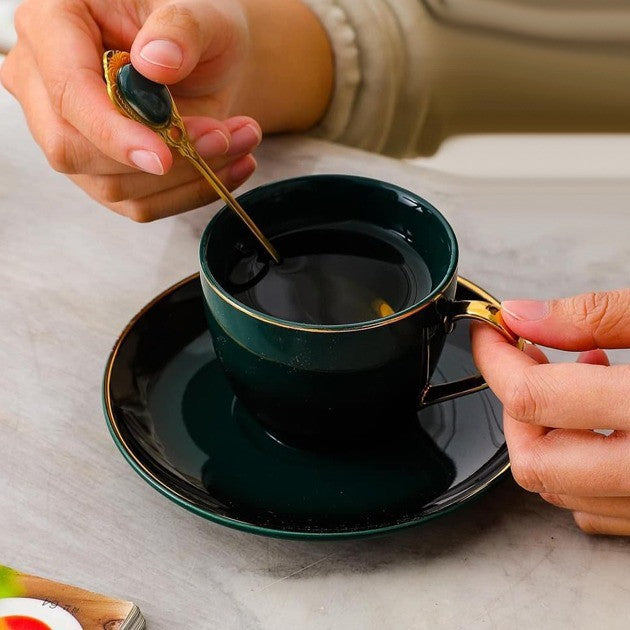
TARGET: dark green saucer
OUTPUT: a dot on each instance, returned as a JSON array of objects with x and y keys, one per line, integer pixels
[{"x": 173, "y": 416}]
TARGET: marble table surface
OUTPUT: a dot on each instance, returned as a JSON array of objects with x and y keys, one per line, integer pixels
[
  {"x": 72, "y": 275},
  {"x": 7, "y": 32}
]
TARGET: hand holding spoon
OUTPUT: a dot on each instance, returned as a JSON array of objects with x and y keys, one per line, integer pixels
[{"x": 152, "y": 105}]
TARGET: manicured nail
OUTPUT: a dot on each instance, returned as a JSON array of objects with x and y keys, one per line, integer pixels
[
  {"x": 526, "y": 310},
  {"x": 242, "y": 168},
  {"x": 147, "y": 161},
  {"x": 214, "y": 142},
  {"x": 245, "y": 139},
  {"x": 593, "y": 357},
  {"x": 533, "y": 351},
  {"x": 164, "y": 53}
]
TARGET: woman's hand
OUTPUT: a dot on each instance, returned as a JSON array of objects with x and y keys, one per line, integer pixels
[
  {"x": 551, "y": 410},
  {"x": 210, "y": 51}
]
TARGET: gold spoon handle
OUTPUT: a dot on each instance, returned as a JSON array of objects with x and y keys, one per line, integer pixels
[
  {"x": 190, "y": 153},
  {"x": 174, "y": 134}
]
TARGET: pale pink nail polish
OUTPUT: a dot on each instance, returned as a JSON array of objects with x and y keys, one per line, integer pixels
[
  {"x": 526, "y": 310},
  {"x": 245, "y": 139},
  {"x": 212, "y": 143},
  {"x": 147, "y": 161},
  {"x": 163, "y": 53}
]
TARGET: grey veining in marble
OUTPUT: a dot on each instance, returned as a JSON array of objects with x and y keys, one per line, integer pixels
[{"x": 71, "y": 276}]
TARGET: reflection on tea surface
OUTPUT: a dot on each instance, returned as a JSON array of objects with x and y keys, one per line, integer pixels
[{"x": 333, "y": 274}]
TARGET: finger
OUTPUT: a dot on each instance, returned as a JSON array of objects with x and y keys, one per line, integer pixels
[
  {"x": 617, "y": 507},
  {"x": 116, "y": 188},
  {"x": 69, "y": 152},
  {"x": 179, "y": 35},
  {"x": 594, "y": 357},
  {"x": 66, "y": 150},
  {"x": 211, "y": 145},
  {"x": 497, "y": 358},
  {"x": 583, "y": 322},
  {"x": 604, "y": 525},
  {"x": 535, "y": 353},
  {"x": 559, "y": 395},
  {"x": 561, "y": 461},
  {"x": 246, "y": 134},
  {"x": 186, "y": 197},
  {"x": 570, "y": 396},
  {"x": 76, "y": 89}
]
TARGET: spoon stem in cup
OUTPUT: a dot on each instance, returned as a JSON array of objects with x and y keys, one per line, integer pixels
[{"x": 190, "y": 153}]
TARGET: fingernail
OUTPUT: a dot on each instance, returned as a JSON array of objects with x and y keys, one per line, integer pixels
[
  {"x": 532, "y": 351},
  {"x": 162, "y": 52},
  {"x": 594, "y": 357},
  {"x": 243, "y": 168},
  {"x": 245, "y": 139},
  {"x": 147, "y": 161},
  {"x": 526, "y": 310},
  {"x": 214, "y": 142}
]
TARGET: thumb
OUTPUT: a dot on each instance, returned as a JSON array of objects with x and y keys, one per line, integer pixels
[
  {"x": 583, "y": 322},
  {"x": 177, "y": 36}
]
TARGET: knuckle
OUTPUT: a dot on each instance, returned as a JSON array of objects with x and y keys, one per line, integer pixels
[
  {"x": 58, "y": 90},
  {"x": 588, "y": 523},
  {"x": 601, "y": 312},
  {"x": 22, "y": 18},
  {"x": 181, "y": 17},
  {"x": 595, "y": 307},
  {"x": 110, "y": 188},
  {"x": 138, "y": 211},
  {"x": 522, "y": 398},
  {"x": 554, "y": 499},
  {"x": 66, "y": 96},
  {"x": 144, "y": 7},
  {"x": 202, "y": 195},
  {"x": 102, "y": 134},
  {"x": 527, "y": 472},
  {"x": 59, "y": 154}
]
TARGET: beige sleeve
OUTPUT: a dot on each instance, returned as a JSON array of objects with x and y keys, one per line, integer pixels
[
  {"x": 376, "y": 100},
  {"x": 410, "y": 73}
]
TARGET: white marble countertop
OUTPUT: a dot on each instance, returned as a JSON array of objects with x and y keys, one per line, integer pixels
[
  {"x": 7, "y": 32},
  {"x": 73, "y": 274}
]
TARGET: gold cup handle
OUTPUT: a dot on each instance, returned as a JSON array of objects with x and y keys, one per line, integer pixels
[{"x": 481, "y": 311}]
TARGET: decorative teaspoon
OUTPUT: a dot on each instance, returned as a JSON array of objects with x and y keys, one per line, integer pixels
[{"x": 152, "y": 105}]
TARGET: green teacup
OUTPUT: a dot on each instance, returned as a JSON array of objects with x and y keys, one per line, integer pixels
[{"x": 323, "y": 382}]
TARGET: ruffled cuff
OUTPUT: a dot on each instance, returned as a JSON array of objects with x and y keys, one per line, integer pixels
[
  {"x": 347, "y": 68},
  {"x": 377, "y": 104}
]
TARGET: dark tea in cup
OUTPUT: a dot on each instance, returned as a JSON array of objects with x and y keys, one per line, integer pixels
[{"x": 332, "y": 273}]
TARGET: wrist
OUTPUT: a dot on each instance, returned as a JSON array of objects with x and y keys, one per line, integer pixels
[{"x": 287, "y": 80}]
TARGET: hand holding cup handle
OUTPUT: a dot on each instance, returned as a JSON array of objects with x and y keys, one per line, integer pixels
[{"x": 553, "y": 412}]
